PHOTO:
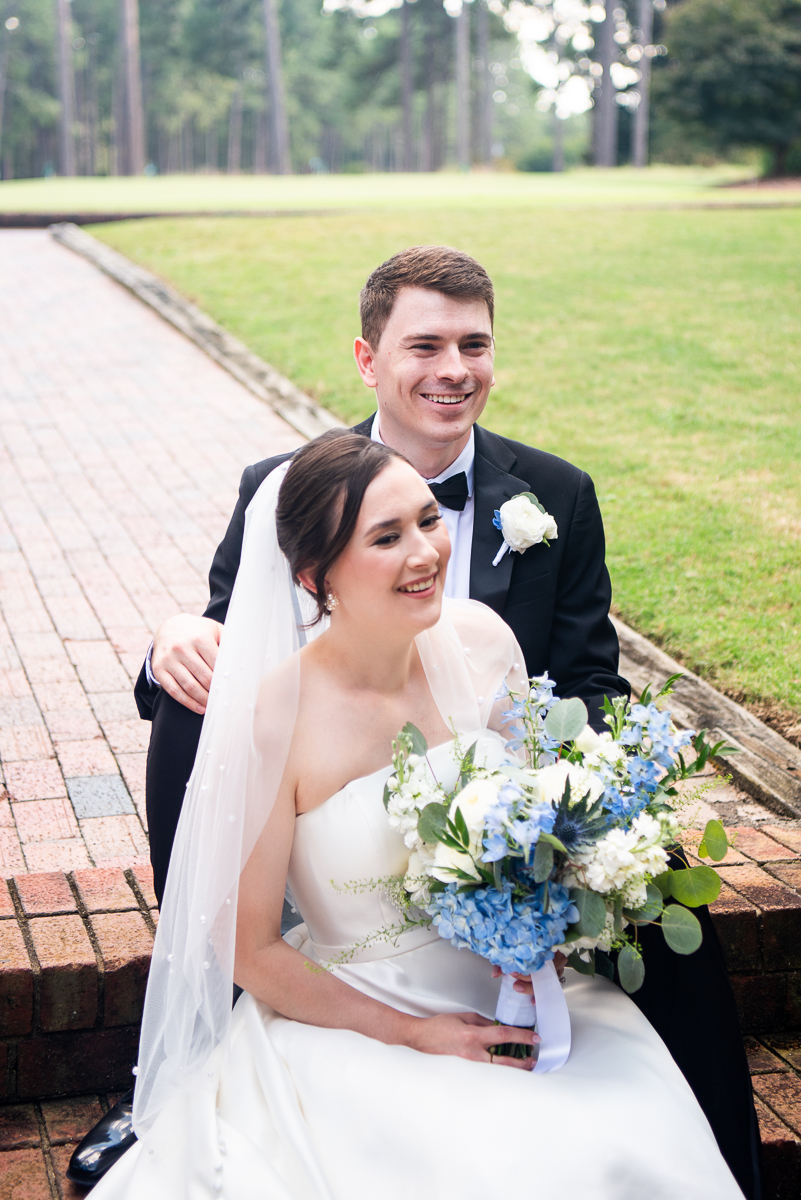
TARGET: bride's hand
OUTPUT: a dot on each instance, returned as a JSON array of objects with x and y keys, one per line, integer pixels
[{"x": 467, "y": 1035}]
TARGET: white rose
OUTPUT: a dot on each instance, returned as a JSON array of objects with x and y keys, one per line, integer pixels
[
  {"x": 475, "y": 800},
  {"x": 445, "y": 857},
  {"x": 588, "y": 740},
  {"x": 523, "y": 524},
  {"x": 549, "y": 784}
]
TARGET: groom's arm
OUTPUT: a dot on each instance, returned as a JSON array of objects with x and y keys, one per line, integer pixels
[
  {"x": 584, "y": 651},
  {"x": 190, "y": 649}
]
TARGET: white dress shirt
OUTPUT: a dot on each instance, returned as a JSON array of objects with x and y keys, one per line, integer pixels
[{"x": 458, "y": 524}]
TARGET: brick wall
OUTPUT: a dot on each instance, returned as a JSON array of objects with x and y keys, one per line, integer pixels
[
  {"x": 75, "y": 950},
  {"x": 74, "y": 956}
]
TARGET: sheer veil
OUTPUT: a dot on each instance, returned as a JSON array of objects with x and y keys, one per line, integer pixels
[{"x": 229, "y": 797}]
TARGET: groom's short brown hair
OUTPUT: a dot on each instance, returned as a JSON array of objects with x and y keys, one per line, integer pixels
[{"x": 439, "y": 268}]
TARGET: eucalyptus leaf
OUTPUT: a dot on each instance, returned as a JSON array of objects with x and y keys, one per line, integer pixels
[
  {"x": 530, "y": 496},
  {"x": 604, "y": 965},
  {"x": 682, "y": 929},
  {"x": 715, "y": 840},
  {"x": 543, "y": 861},
  {"x": 696, "y": 885},
  {"x": 649, "y": 911},
  {"x": 552, "y": 841},
  {"x": 433, "y": 823},
  {"x": 419, "y": 743},
  {"x": 386, "y": 795},
  {"x": 578, "y": 964},
  {"x": 516, "y": 773},
  {"x": 630, "y": 969},
  {"x": 665, "y": 883},
  {"x": 592, "y": 912},
  {"x": 566, "y": 719}
]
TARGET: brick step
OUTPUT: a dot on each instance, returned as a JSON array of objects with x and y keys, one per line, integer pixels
[
  {"x": 74, "y": 956},
  {"x": 75, "y": 950}
]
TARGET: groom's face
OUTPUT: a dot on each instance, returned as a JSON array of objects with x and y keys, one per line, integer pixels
[{"x": 432, "y": 369}]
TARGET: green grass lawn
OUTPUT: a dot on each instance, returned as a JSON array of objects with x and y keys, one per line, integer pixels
[
  {"x": 191, "y": 193},
  {"x": 659, "y": 350}
]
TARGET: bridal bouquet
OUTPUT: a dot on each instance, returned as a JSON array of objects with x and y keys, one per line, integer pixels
[{"x": 566, "y": 850}]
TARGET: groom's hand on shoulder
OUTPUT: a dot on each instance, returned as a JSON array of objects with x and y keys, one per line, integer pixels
[{"x": 184, "y": 653}]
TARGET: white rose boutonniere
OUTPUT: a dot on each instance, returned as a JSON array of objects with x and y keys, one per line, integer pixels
[{"x": 523, "y": 522}]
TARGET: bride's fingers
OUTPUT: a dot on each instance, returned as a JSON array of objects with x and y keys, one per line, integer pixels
[
  {"x": 522, "y": 1064},
  {"x": 474, "y": 1019},
  {"x": 500, "y": 1035}
]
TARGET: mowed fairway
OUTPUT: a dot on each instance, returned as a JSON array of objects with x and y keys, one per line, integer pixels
[{"x": 659, "y": 350}]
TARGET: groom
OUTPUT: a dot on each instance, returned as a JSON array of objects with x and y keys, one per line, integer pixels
[{"x": 427, "y": 349}]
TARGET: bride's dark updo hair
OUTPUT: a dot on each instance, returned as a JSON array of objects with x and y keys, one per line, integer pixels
[{"x": 320, "y": 498}]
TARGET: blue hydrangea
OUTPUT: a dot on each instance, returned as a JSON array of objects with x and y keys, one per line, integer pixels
[{"x": 515, "y": 935}]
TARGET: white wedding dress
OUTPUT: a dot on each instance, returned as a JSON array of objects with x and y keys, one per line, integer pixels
[{"x": 306, "y": 1113}]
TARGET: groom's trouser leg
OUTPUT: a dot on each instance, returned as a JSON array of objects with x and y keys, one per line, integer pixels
[
  {"x": 171, "y": 755},
  {"x": 689, "y": 1001}
]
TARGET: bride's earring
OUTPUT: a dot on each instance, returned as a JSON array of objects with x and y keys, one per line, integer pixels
[{"x": 331, "y": 602}]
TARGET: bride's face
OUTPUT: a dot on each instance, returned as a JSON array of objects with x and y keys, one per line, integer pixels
[{"x": 392, "y": 572}]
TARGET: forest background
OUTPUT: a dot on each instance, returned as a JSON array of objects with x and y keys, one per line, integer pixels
[{"x": 374, "y": 85}]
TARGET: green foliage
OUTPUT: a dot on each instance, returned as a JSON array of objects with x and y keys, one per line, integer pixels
[
  {"x": 543, "y": 861},
  {"x": 433, "y": 823},
  {"x": 682, "y": 929},
  {"x": 630, "y": 969},
  {"x": 650, "y": 910},
  {"x": 566, "y": 719},
  {"x": 714, "y": 843},
  {"x": 592, "y": 913},
  {"x": 735, "y": 71},
  {"x": 416, "y": 739},
  {"x": 695, "y": 886}
]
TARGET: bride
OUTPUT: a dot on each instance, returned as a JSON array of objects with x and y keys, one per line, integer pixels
[{"x": 356, "y": 1066}]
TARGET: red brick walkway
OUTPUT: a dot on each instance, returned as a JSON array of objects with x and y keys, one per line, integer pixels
[{"x": 121, "y": 448}]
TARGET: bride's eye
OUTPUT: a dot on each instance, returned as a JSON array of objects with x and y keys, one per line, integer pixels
[
  {"x": 430, "y": 522},
  {"x": 386, "y": 539}
]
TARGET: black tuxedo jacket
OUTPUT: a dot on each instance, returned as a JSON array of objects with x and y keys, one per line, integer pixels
[{"x": 555, "y": 598}]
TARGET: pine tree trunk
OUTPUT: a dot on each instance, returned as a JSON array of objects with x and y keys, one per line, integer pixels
[
  {"x": 134, "y": 114},
  {"x": 407, "y": 85},
  {"x": 645, "y": 18},
  {"x": 558, "y": 144},
  {"x": 235, "y": 134},
  {"x": 463, "y": 88},
  {"x": 66, "y": 89},
  {"x": 605, "y": 125},
  {"x": 484, "y": 98},
  {"x": 275, "y": 74}
]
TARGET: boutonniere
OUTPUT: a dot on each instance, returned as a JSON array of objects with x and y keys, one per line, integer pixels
[{"x": 523, "y": 522}]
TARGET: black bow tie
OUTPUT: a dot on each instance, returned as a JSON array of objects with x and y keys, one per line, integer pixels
[{"x": 452, "y": 492}]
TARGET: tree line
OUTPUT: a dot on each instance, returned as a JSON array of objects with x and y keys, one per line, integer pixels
[{"x": 92, "y": 87}]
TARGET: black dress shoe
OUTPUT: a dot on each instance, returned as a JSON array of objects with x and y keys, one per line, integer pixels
[{"x": 103, "y": 1145}]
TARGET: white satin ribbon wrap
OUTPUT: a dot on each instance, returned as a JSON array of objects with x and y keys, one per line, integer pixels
[{"x": 549, "y": 1012}]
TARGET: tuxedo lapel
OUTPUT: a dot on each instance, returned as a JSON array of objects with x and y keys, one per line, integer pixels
[
  {"x": 365, "y": 428},
  {"x": 493, "y": 484}
]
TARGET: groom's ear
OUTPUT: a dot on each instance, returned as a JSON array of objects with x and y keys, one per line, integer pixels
[{"x": 363, "y": 353}]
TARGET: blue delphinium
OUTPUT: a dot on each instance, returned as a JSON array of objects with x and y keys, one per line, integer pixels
[{"x": 513, "y": 934}]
